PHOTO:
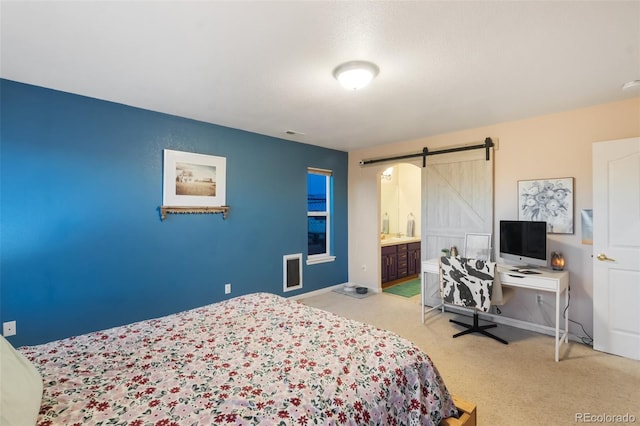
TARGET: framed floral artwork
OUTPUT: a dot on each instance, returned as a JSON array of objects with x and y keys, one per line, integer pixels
[{"x": 548, "y": 200}]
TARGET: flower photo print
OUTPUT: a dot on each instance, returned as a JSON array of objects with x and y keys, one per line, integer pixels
[{"x": 548, "y": 200}]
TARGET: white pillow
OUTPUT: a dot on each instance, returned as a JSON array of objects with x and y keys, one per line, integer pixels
[{"x": 20, "y": 388}]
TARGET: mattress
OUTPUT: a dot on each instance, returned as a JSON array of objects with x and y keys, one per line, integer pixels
[{"x": 254, "y": 359}]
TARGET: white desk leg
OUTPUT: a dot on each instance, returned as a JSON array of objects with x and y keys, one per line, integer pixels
[
  {"x": 566, "y": 316},
  {"x": 422, "y": 281},
  {"x": 557, "y": 324},
  {"x": 423, "y": 297}
]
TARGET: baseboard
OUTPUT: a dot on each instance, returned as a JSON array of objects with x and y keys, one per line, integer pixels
[
  {"x": 326, "y": 290},
  {"x": 314, "y": 292},
  {"x": 498, "y": 319},
  {"x": 512, "y": 322}
]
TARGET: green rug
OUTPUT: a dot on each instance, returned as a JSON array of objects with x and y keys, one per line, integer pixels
[{"x": 408, "y": 289}]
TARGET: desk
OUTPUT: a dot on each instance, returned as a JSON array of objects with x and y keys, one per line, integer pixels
[{"x": 550, "y": 281}]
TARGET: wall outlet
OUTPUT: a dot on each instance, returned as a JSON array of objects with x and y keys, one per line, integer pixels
[
  {"x": 227, "y": 288},
  {"x": 9, "y": 328},
  {"x": 539, "y": 299}
]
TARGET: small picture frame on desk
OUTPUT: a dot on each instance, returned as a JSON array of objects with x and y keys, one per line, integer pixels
[{"x": 477, "y": 246}]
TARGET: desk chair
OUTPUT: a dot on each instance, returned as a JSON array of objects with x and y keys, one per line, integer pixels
[
  {"x": 468, "y": 283},
  {"x": 478, "y": 246}
]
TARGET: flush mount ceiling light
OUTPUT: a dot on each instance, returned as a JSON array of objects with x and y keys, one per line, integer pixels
[{"x": 355, "y": 75}]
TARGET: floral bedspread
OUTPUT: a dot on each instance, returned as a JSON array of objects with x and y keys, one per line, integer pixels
[{"x": 255, "y": 359}]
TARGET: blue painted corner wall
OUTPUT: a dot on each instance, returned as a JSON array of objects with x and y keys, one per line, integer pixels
[{"x": 82, "y": 244}]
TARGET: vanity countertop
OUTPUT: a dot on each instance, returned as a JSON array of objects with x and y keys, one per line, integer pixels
[{"x": 391, "y": 241}]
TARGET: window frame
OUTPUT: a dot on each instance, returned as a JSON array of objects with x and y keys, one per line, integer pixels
[{"x": 326, "y": 256}]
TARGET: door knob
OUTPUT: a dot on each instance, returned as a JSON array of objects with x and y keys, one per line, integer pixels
[{"x": 603, "y": 256}]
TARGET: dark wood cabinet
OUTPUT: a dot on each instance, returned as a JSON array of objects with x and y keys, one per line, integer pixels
[
  {"x": 389, "y": 264},
  {"x": 400, "y": 261},
  {"x": 413, "y": 259}
]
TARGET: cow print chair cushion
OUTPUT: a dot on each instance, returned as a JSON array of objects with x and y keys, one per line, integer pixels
[{"x": 467, "y": 282}]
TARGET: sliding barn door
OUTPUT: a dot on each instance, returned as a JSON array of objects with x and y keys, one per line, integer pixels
[{"x": 457, "y": 199}]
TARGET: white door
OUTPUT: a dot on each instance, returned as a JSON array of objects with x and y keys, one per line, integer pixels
[{"x": 616, "y": 247}]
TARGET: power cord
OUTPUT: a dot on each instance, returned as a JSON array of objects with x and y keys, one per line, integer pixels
[{"x": 587, "y": 340}]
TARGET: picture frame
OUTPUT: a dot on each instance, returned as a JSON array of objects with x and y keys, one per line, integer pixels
[
  {"x": 587, "y": 226},
  {"x": 194, "y": 180},
  {"x": 477, "y": 246},
  {"x": 548, "y": 200}
]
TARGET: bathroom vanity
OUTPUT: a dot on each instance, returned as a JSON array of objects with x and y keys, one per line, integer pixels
[{"x": 400, "y": 259}]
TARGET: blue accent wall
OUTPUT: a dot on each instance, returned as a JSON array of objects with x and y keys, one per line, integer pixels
[{"x": 82, "y": 244}]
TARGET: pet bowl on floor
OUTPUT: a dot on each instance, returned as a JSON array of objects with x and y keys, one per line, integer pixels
[{"x": 362, "y": 290}]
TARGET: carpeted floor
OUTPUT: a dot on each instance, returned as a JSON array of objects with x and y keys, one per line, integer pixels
[
  {"x": 406, "y": 289},
  {"x": 515, "y": 384}
]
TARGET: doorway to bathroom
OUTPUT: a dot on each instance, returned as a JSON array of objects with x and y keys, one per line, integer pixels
[{"x": 400, "y": 224}]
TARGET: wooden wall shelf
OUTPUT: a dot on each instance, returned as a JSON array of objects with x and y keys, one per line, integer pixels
[{"x": 164, "y": 210}]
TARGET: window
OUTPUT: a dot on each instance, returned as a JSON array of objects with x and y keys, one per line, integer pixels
[{"x": 319, "y": 215}]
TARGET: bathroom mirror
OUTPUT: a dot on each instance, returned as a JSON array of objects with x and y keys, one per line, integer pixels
[{"x": 400, "y": 192}]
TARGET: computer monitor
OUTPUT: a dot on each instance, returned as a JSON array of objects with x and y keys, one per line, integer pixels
[{"x": 523, "y": 242}]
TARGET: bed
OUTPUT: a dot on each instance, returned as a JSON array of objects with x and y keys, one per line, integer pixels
[{"x": 254, "y": 359}]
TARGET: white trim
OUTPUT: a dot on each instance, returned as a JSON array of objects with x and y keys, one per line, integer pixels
[
  {"x": 319, "y": 258},
  {"x": 316, "y": 292},
  {"x": 285, "y": 258}
]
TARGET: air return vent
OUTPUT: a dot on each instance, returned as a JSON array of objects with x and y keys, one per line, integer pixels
[{"x": 292, "y": 271}]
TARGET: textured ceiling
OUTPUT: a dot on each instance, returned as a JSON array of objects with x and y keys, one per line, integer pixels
[{"x": 266, "y": 67}]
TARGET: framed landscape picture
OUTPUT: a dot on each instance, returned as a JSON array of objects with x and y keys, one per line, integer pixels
[
  {"x": 195, "y": 180},
  {"x": 548, "y": 200}
]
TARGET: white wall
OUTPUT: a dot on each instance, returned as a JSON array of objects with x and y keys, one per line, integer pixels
[{"x": 557, "y": 145}]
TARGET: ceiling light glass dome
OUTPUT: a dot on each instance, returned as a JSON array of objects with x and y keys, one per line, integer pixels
[{"x": 355, "y": 75}]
